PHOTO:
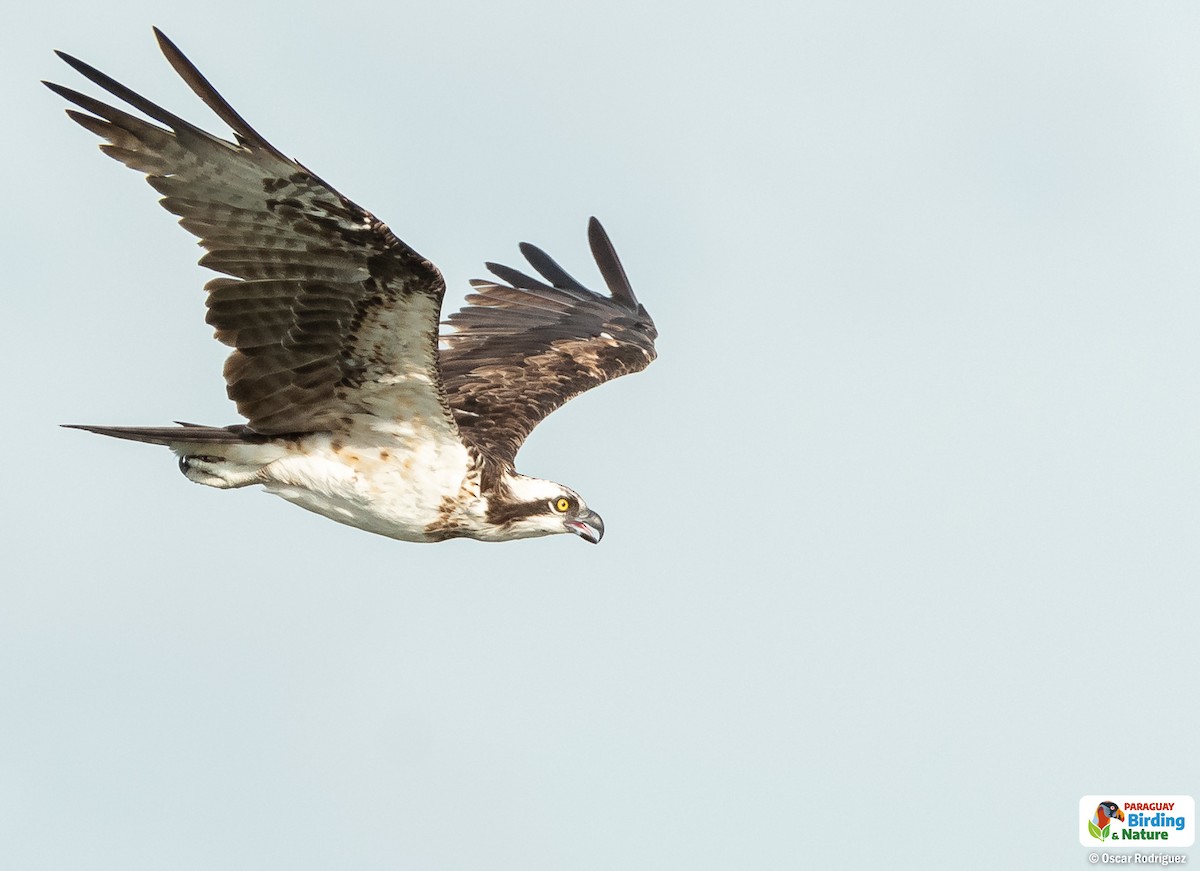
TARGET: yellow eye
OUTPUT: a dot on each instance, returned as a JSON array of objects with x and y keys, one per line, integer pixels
[{"x": 562, "y": 504}]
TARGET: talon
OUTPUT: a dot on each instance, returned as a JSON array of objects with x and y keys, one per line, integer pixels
[{"x": 185, "y": 463}]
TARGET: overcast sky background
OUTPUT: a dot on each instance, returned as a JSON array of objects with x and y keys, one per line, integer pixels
[{"x": 902, "y": 548}]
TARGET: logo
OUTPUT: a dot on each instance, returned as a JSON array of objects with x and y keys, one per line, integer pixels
[
  {"x": 1100, "y": 825},
  {"x": 1133, "y": 820}
]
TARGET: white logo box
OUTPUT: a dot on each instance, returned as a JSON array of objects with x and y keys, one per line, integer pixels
[{"x": 1145, "y": 816}]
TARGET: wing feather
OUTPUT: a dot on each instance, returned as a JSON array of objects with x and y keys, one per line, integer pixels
[
  {"x": 549, "y": 269},
  {"x": 515, "y": 277},
  {"x": 328, "y": 312},
  {"x": 610, "y": 264},
  {"x": 517, "y": 352}
]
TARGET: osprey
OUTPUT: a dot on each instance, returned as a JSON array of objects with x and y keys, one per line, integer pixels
[{"x": 356, "y": 408}]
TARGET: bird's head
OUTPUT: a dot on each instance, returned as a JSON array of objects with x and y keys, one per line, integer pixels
[
  {"x": 1106, "y": 811},
  {"x": 528, "y": 507}
]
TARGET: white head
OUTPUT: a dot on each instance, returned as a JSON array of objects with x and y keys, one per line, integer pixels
[{"x": 523, "y": 507}]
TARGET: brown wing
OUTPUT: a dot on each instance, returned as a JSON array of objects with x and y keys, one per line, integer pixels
[
  {"x": 520, "y": 350},
  {"x": 328, "y": 312}
]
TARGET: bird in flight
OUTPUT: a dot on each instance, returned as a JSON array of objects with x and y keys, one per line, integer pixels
[{"x": 356, "y": 408}]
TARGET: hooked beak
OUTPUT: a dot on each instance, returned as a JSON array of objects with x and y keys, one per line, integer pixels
[
  {"x": 1119, "y": 814},
  {"x": 587, "y": 526}
]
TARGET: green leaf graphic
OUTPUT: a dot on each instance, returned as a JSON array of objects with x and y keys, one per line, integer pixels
[{"x": 1098, "y": 833}]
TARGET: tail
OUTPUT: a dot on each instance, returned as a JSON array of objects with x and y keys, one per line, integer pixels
[
  {"x": 184, "y": 433},
  {"x": 224, "y": 457}
]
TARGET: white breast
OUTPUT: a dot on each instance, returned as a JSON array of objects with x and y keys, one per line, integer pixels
[{"x": 397, "y": 482}]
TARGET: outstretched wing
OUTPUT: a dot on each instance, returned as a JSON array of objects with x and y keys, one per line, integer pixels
[
  {"x": 328, "y": 312},
  {"x": 520, "y": 350}
]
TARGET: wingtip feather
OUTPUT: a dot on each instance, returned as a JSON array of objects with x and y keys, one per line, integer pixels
[
  {"x": 609, "y": 263},
  {"x": 209, "y": 95},
  {"x": 549, "y": 268},
  {"x": 61, "y": 90}
]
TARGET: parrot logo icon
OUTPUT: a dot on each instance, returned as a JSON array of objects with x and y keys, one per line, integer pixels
[{"x": 1100, "y": 825}]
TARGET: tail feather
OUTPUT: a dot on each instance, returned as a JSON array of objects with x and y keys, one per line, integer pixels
[{"x": 174, "y": 435}]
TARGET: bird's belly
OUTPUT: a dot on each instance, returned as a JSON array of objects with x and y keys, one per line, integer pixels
[{"x": 400, "y": 491}]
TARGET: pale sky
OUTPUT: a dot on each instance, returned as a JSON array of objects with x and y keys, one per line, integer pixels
[{"x": 901, "y": 554}]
